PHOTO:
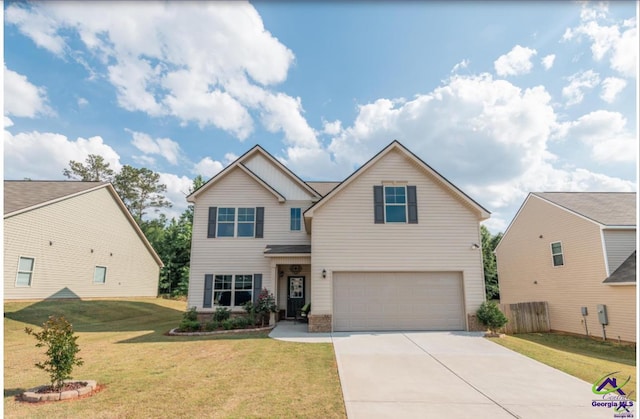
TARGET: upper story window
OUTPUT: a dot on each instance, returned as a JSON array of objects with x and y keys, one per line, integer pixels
[
  {"x": 296, "y": 219},
  {"x": 395, "y": 204},
  {"x": 236, "y": 222},
  {"x": 556, "y": 254},
  {"x": 25, "y": 272}
]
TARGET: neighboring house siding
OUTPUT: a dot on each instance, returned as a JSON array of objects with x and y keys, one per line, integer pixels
[
  {"x": 276, "y": 178},
  {"x": 345, "y": 238},
  {"x": 619, "y": 245},
  {"x": 238, "y": 255},
  {"x": 526, "y": 272},
  {"x": 65, "y": 269}
]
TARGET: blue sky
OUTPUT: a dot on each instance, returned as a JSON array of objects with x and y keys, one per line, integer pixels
[{"x": 502, "y": 98}]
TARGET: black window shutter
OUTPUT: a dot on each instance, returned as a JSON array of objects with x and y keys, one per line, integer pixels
[
  {"x": 412, "y": 204},
  {"x": 259, "y": 222},
  {"x": 213, "y": 214},
  {"x": 208, "y": 290},
  {"x": 378, "y": 204},
  {"x": 257, "y": 286}
]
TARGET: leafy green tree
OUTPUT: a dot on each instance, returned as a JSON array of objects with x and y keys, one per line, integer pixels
[
  {"x": 489, "y": 244},
  {"x": 491, "y": 316},
  {"x": 140, "y": 189},
  {"x": 95, "y": 169},
  {"x": 62, "y": 349}
]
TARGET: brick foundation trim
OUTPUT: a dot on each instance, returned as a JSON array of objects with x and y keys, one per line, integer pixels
[
  {"x": 320, "y": 323},
  {"x": 474, "y": 324}
]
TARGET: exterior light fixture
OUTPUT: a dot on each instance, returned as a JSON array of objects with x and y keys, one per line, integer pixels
[
  {"x": 475, "y": 246},
  {"x": 324, "y": 273}
]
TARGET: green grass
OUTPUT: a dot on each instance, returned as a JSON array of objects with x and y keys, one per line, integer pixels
[
  {"x": 584, "y": 358},
  {"x": 147, "y": 374}
]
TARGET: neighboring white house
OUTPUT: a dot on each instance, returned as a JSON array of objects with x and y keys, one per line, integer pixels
[
  {"x": 68, "y": 239},
  {"x": 395, "y": 246},
  {"x": 575, "y": 250}
]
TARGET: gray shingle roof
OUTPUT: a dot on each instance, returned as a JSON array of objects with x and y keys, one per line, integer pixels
[
  {"x": 272, "y": 249},
  {"x": 607, "y": 208},
  {"x": 625, "y": 272},
  {"x": 21, "y": 194}
]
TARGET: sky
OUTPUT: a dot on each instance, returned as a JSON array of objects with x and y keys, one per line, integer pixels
[{"x": 501, "y": 98}]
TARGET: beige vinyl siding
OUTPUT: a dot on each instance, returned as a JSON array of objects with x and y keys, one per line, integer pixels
[
  {"x": 345, "y": 238},
  {"x": 238, "y": 255},
  {"x": 65, "y": 269},
  {"x": 526, "y": 272},
  {"x": 619, "y": 244},
  {"x": 276, "y": 178}
]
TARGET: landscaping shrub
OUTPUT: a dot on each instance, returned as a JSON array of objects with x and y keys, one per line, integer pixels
[
  {"x": 189, "y": 326},
  {"x": 211, "y": 326},
  {"x": 221, "y": 314},
  {"x": 240, "y": 322},
  {"x": 190, "y": 314},
  {"x": 265, "y": 304},
  {"x": 62, "y": 349},
  {"x": 250, "y": 308},
  {"x": 227, "y": 324},
  {"x": 491, "y": 316}
]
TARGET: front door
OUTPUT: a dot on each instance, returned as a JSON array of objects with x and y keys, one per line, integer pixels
[{"x": 295, "y": 295}]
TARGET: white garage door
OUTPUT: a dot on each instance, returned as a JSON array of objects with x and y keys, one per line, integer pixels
[{"x": 398, "y": 301}]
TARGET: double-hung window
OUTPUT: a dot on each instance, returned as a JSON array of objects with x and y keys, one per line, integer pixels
[
  {"x": 226, "y": 222},
  {"x": 296, "y": 219},
  {"x": 246, "y": 221},
  {"x": 556, "y": 254},
  {"x": 232, "y": 290},
  {"x": 395, "y": 204},
  {"x": 25, "y": 271},
  {"x": 236, "y": 222}
]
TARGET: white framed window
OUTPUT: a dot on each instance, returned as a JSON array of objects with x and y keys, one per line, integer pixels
[
  {"x": 296, "y": 219},
  {"x": 395, "y": 204},
  {"x": 100, "y": 275},
  {"x": 232, "y": 290},
  {"x": 556, "y": 254},
  {"x": 242, "y": 225},
  {"x": 25, "y": 271},
  {"x": 226, "y": 222},
  {"x": 246, "y": 222}
]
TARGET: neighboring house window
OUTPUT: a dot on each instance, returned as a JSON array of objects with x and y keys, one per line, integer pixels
[
  {"x": 25, "y": 271},
  {"x": 556, "y": 253},
  {"x": 224, "y": 223},
  {"x": 100, "y": 275},
  {"x": 230, "y": 290},
  {"x": 295, "y": 219},
  {"x": 395, "y": 204}
]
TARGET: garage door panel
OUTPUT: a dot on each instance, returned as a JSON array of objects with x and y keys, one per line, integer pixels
[{"x": 398, "y": 301}]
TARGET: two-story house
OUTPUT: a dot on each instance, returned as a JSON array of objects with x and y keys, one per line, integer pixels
[
  {"x": 395, "y": 246},
  {"x": 576, "y": 251}
]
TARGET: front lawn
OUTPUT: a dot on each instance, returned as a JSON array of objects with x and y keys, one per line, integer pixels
[
  {"x": 148, "y": 374},
  {"x": 587, "y": 359}
]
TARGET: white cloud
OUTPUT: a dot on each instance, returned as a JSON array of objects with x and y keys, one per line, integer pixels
[
  {"x": 548, "y": 60},
  {"x": 207, "y": 168},
  {"x": 178, "y": 187},
  {"x": 515, "y": 62},
  {"x": 611, "y": 87},
  {"x": 618, "y": 41},
  {"x": 332, "y": 128},
  {"x": 178, "y": 59},
  {"x": 606, "y": 134},
  {"x": 230, "y": 158},
  {"x": 44, "y": 155},
  {"x": 578, "y": 83},
  {"x": 82, "y": 102},
  {"x": 7, "y": 122},
  {"x": 461, "y": 65},
  {"x": 165, "y": 147},
  {"x": 23, "y": 99}
]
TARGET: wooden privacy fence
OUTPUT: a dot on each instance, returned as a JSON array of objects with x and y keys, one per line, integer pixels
[{"x": 526, "y": 317}]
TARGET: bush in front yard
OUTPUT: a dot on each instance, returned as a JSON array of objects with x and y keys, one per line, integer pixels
[
  {"x": 491, "y": 316},
  {"x": 221, "y": 314}
]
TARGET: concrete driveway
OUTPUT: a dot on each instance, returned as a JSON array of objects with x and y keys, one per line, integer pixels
[{"x": 452, "y": 375}]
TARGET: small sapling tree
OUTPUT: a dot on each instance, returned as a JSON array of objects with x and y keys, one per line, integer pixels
[
  {"x": 62, "y": 349},
  {"x": 491, "y": 316}
]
